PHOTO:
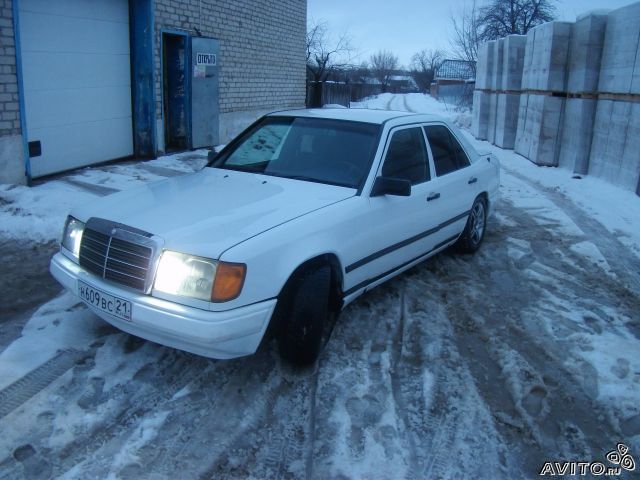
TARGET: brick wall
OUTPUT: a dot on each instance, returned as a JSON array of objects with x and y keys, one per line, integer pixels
[
  {"x": 9, "y": 107},
  {"x": 262, "y": 42}
]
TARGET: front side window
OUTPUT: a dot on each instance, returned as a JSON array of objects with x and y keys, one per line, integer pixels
[
  {"x": 407, "y": 157},
  {"x": 334, "y": 152},
  {"x": 448, "y": 154}
]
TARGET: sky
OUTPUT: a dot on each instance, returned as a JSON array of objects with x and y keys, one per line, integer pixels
[{"x": 407, "y": 26}]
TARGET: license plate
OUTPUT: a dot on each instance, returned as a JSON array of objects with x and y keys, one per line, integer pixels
[{"x": 107, "y": 303}]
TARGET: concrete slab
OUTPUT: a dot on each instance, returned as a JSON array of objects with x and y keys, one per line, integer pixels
[
  {"x": 520, "y": 146},
  {"x": 577, "y": 132},
  {"x": 615, "y": 152},
  {"x": 547, "y": 55},
  {"x": 620, "y": 52},
  {"x": 538, "y": 140},
  {"x": 629, "y": 176},
  {"x": 493, "y": 114},
  {"x": 484, "y": 66},
  {"x": 609, "y": 139},
  {"x": 480, "y": 118},
  {"x": 498, "y": 63},
  {"x": 507, "y": 120},
  {"x": 548, "y": 149},
  {"x": 513, "y": 62},
  {"x": 587, "y": 43}
]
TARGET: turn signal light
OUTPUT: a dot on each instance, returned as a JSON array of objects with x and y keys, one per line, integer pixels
[{"x": 229, "y": 281}]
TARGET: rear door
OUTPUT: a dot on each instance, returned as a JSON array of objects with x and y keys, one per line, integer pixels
[{"x": 455, "y": 186}]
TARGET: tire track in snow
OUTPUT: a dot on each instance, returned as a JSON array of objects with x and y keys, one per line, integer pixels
[
  {"x": 554, "y": 409},
  {"x": 406, "y": 105},
  {"x": 397, "y": 393},
  {"x": 625, "y": 266},
  {"x": 136, "y": 404},
  {"x": 389, "y": 103}
]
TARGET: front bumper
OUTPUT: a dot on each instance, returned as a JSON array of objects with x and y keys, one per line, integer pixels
[{"x": 229, "y": 334}]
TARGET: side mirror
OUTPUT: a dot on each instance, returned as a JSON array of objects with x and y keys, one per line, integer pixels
[{"x": 400, "y": 187}]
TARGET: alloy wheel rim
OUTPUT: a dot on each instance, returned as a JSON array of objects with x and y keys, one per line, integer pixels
[{"x": 477, "y": 223}]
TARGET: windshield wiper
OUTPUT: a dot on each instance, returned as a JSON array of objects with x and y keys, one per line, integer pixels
[{"x": 315, "y": 180}]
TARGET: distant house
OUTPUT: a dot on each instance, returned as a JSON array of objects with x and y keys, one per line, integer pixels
[
  {"x": 455, "y": 72},
  {"x": 402, "y": 84}
]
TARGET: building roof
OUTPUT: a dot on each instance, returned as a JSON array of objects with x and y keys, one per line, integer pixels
[
  {"x": 358, "y": 114},
  {"x": 456, "y": 70}
]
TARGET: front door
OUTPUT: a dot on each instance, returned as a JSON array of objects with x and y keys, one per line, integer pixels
[{"x": 399, "y": 229}]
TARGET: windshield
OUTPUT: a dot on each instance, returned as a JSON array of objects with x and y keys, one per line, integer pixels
[{"x": 335, "y": 152}]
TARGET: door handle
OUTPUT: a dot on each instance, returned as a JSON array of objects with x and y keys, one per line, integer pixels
[
  {"x": 472, "y": 180},
  {"x": 433, "y": 196}
]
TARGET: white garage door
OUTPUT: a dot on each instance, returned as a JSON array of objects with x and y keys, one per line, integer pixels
[{"x": 77, "y": 82}]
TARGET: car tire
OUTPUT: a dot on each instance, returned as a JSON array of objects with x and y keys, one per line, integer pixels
[
  {"x": 303, "y": 314},
  {"x": 473, "y": 234}
]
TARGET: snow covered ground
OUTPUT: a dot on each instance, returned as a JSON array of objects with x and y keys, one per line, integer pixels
[{"x": 464, "y": 367}]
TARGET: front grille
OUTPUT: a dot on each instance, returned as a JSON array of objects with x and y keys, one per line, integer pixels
[{"x": 114, "y": 259}]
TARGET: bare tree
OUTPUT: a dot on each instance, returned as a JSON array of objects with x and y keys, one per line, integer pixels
[
  {"x": 506, "y": 17},
  {"x": 467, "y": 33},
  {"x": 424, "y": 65},
  {"x": 383, "y": 64},
  {"x": 496, "y": 19},
  {"x": 324, "y": 53}
]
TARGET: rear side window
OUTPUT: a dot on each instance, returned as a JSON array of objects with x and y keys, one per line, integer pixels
[
  {"x": 407, "y": 157},
  {"x": 448, "y": 154}
]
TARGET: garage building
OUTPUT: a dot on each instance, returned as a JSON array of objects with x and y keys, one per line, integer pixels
[{"x": 88, "y": 81}]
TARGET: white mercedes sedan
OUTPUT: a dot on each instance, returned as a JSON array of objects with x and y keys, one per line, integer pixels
[{"x": 293, "y": 220}]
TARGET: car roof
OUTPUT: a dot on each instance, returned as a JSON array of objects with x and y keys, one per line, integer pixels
[{"x": 359, "y": 115}]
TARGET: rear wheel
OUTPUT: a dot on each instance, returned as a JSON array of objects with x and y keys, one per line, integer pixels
[
  {"x": 473, "y": 233},
  {"x": 303, "y": 311}
]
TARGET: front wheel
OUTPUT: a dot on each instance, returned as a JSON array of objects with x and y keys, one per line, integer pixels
[
  {"x": 304, "y": 310},
  {"x": 473, "y": 233}
]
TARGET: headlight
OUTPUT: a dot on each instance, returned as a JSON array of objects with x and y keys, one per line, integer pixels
[
  {"x": 72, "y": 235},
  {"x": 199, "y": 277}
]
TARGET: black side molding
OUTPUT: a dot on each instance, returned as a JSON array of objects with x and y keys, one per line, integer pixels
[{"x": 404, "y": 243}]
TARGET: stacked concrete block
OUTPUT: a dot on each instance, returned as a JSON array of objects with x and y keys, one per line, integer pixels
[
  {"x": 615, "y": 149},
  {"x": 484, "y": 68},
  {"x": 508, "y": 102},
  {"x": 579, "y": 105},
  {"x": 545, "y": 79},
  {"x": 480, "y": 118},
  {"x": 498, "y": 64},
  {"x": 507, "y": 120},
  {"x": 620, "y": 70},
  {"x": 615, "y": 153},
  {"x": 513, "y": 62},
  {"x": 577, "y": 132},
  {"x": 538, "y": 133},
  {"x": 587, "y": 42},
  {"x": 481, "y": 97},
  {"x": 547, "y": 52},
  {"x": 496, "y": 85}
]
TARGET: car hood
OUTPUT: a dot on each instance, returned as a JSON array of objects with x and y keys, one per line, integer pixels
[{"x": 207, "y": 212}]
